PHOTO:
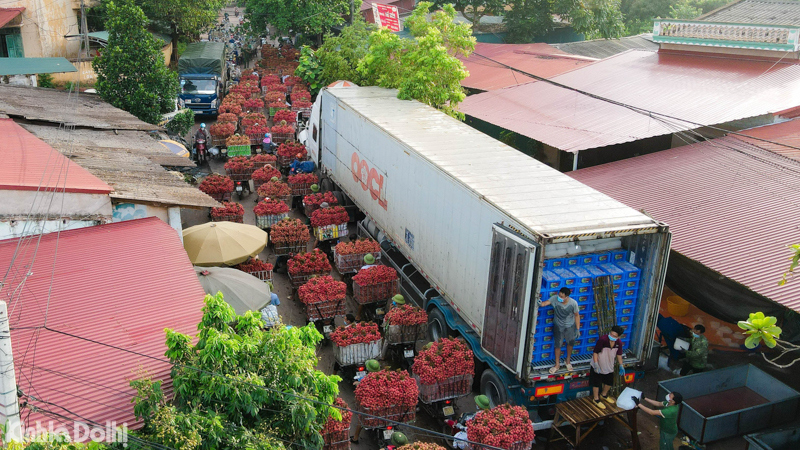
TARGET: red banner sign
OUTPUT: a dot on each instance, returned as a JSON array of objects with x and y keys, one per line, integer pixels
[{"x": 386, "y": 16}]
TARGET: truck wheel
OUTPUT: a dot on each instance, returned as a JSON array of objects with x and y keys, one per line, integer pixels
[
  {"x": 437, "y": 325},
  {"x": 492, "y": 387}
]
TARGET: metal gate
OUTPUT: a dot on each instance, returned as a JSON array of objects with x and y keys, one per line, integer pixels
[{"x": 508, "y": 297}]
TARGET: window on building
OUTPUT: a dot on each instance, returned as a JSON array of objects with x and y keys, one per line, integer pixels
[{"x": 11, "y": 43}]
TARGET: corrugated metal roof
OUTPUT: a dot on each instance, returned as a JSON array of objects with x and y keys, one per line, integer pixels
[
  {"x": 9, "y": 14},
  {"x": 730, "y": 206},
  {"x": 120, "y": 284},
  {"x": 761, "y": 12},
  {"x": 128, "y": 161},
  {"x": 29, "y": 164},
  {"x": 539, "y": 197},
  {"x": 52, "y": 105},
  {"x": 705, "y": 89},
  {"x": 30, "y": 66},
  {"x": 603, "y": 48},
  {"x": 784, "y": 138},
  {"x": 539, "y": 59}
]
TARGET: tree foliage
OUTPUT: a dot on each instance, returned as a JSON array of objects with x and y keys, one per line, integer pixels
[
  {"x": 187, "y": 18},
  {"x": 639, "y": 14},
  {"x": 181, "y": 123},
  {"x": 795, "y": 261},
  {"x": 340, "y": 55},
  {"x": 529, "y": 19},
  {"x": 308, "y": 17},
  {"x": 130, "y": 71},
  {"x": 426, "y": 68},
  {"x": 309, "y": 69},
  {"x": 236, "y": 387},
  {"x": 474, "y": 10}
]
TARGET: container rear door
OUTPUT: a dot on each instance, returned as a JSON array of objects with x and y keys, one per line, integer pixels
[{"x": 508, "y": 297}]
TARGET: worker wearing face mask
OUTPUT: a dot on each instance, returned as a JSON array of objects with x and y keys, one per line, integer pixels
[
  {"x": 668, "y": 412},
  {"x": 567, "y": 324}
]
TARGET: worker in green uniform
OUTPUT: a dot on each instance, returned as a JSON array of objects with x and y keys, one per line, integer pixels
[
  {"x": 668, "y": 412},
  {"x": 697, "y": 355}
]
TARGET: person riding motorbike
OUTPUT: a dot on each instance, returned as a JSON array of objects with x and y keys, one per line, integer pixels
[
  {"x": 460, "y": 438},
  {"x": 201, "y": 134}
]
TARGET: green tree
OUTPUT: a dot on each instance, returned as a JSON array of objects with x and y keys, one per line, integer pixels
[
  {"x": 760, "y": 328},
  {"x": 183, "y": 18},
  {"x": 684, "y": 9},
  {"x": 339, "y": 55},
  {"x": 426, "y": 68},
  {"x": 235, "y": 388},
  {"x": 639, "y": 14},
  {"x": 130, "y": 71},
  {"x": 309, "y": 69},
  {"x": 529, "y": 19},
  {"x": 307, "y": 17},
  {"x": 474, "y": 10}
]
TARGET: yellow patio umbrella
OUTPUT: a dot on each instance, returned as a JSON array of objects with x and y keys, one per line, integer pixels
[{"x": 223, "y": 243}]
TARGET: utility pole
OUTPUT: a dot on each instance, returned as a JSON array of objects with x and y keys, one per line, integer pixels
[
  {"x": 84, "y": 32},
  {"x": 9, "y": 404}
]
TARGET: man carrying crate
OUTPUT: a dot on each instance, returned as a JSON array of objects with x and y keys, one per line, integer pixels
[{"x": 567, "y": 324}]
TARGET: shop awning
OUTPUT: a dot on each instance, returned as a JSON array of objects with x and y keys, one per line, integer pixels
[
  {"x": 25, "y": 66},
  {"x": 9, "y": 14}
]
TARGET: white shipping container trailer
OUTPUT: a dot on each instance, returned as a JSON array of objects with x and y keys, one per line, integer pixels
[{"x": 469, "y": 221}]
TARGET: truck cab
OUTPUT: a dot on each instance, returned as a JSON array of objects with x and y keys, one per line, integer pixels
[{"x": 200, "y": 93}]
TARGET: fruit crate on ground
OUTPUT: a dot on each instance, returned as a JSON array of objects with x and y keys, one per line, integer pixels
[
  {"x": 336, "y": 440},
  {"x": 453, "y": 387},
  {"x": 375, "y": 292},
  {"x": 221, "y": 196},
  {"x": 351, "y": 263},
  {"x": 400, "y": 414},
  {"x": 301, "y": 189},
  {"x": 268, "y": 221},
  {"x": 331, "y": 232},
  {"x": 263, "y": 275},
  {"x": 284, "y": 161},
  {"x": 514, "y": 446},
  {"x": 231, "y": 218},
  {"x": 299, "y": 280},
  {"x": 239, "y": 150},
  {"x": 402, "y": 334},
  {"x": 357, "y": 353},
  {"x": 240, "y": 175},
  {"x": 280, "y": 138},
  {"x": 288, "y": 248},
  {"x": 326, "y": 310}
]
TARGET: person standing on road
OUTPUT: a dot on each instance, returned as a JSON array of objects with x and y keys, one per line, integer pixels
[
  {"x": 567, "y": 324},
  {"x": 697, "y": 355},
  {"x": 668, "y": 413},
  {"x": 371, "y": 365},
  {"x": 601, "y": 374}
]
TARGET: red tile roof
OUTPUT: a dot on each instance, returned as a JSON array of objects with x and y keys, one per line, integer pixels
[
  {"x": 730, "y": 206},
  {"x": 705, "y": 89},
  {"x": 28, "y": 162},
  {"x": 784, "y": 138},
  {"x": 539, "y": 59},
  {"x": 121, "y": 284},
  {"x": 8, "y": 14}
]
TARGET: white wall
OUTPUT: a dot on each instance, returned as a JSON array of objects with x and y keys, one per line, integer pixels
[
  {"x": 10, "y": 229},
  {"x": 19, "y": 204},
  {"x": 129, "y": 211}
]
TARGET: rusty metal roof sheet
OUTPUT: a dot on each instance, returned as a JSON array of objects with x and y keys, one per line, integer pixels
[
  {"x": 120, "y": 284},
  {"x": 30, "y": 164},
  {"x": 784, "y": 138},
  {"x": 704, "y": 89},
  {"x": 122, "y": 160},
  {"x": 539, "y": 59},
  {"x": 761, "y": 12},
  {"x": 729, "y": 205},
  {"x": 603, "y": 48},
  {"x": 51, "y": 105}
]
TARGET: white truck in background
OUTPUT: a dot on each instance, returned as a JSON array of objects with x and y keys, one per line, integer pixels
[{"x": 468, "y": 222}]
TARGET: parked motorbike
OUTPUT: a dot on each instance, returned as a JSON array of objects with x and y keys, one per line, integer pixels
[
  {"x": 240, "y": 187},
  {"x": 402, "y": 354}
]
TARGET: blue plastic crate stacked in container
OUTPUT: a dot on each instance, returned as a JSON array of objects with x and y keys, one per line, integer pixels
[{"x": 577, "y": 273}]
